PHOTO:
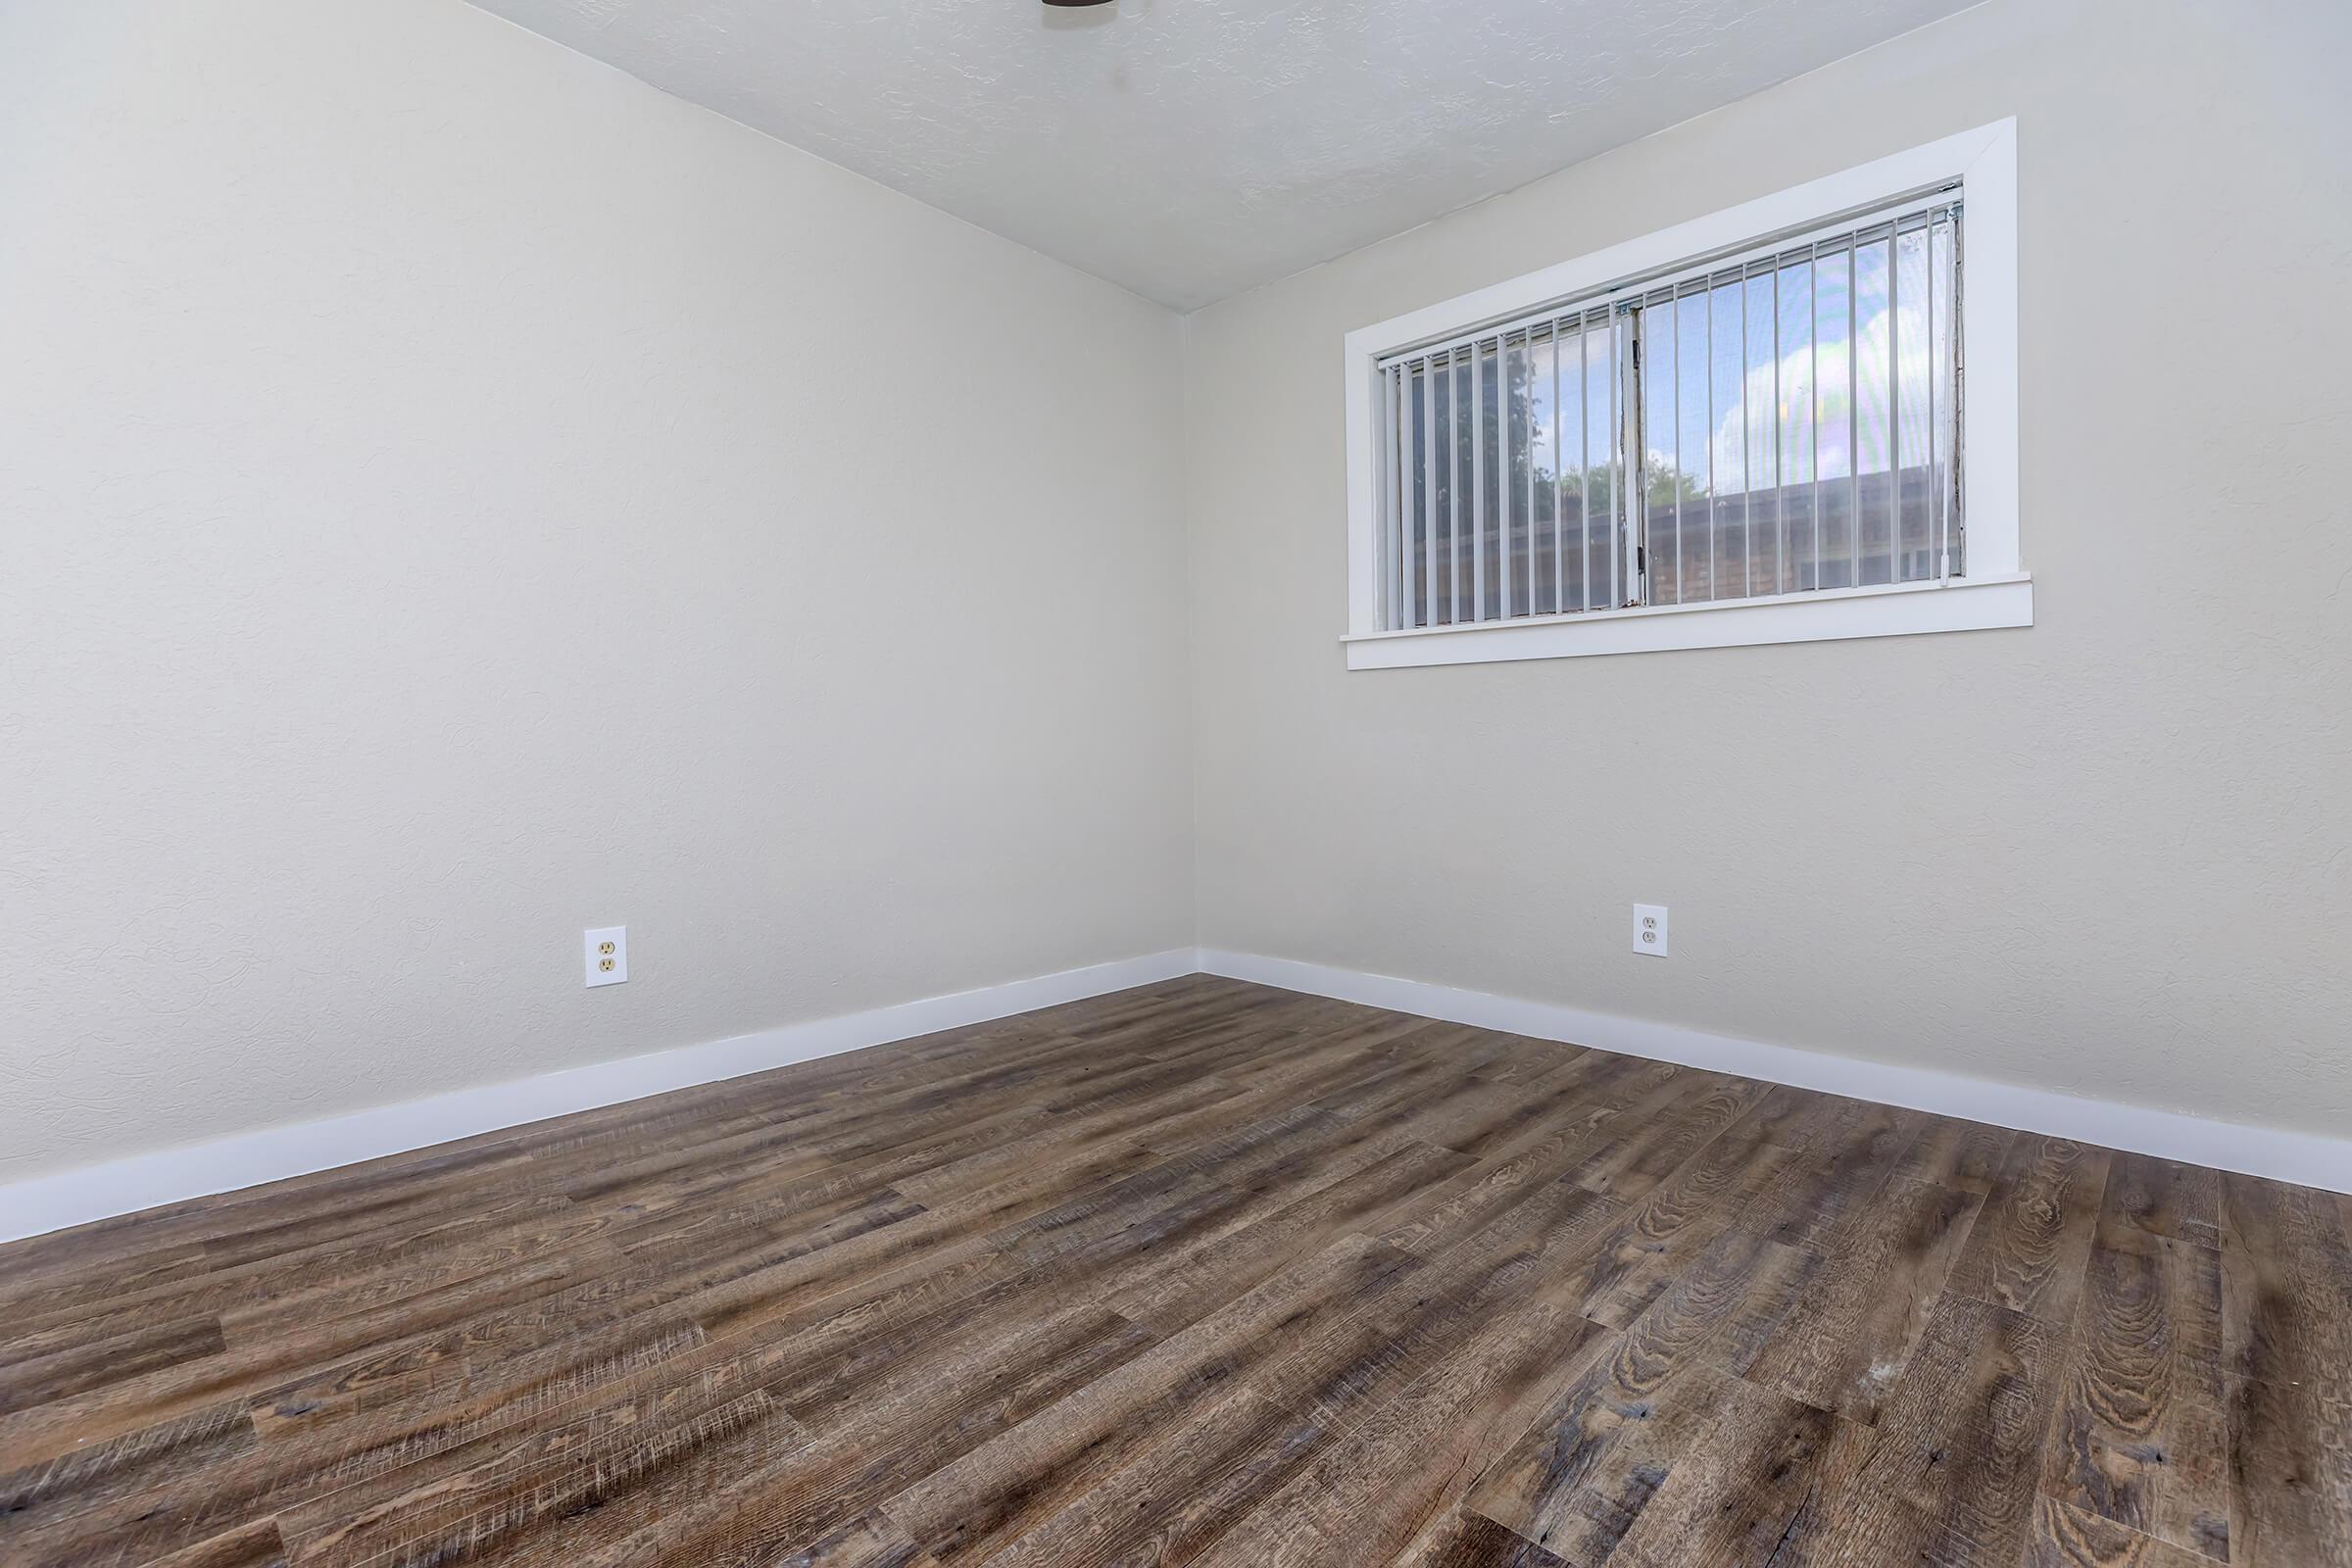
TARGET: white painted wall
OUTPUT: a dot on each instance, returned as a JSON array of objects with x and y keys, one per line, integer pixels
[
  {"x": 451, "y": 495},
  {"x": 2105, "y": 856}
]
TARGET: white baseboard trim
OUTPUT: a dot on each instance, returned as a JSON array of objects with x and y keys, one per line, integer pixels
[
  {"x": 43, "y": 1204},
  {"x": 2288, "y": 1156}
]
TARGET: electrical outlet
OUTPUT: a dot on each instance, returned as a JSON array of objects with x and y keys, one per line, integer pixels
[
  {"x": 608, "y": 955},
  {"x": 1649, "y": 929}
]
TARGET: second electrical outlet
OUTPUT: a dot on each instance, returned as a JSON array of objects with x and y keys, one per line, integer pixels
[
  {"x": 608, "y": 955},
  {"x": 1649, "y": 929}
]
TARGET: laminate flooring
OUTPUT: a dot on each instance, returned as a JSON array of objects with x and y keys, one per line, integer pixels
[{"x": 1199, "y": 1273}]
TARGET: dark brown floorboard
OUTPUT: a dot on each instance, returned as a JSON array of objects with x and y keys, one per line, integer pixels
[{"x": 1198, "y": 1273}]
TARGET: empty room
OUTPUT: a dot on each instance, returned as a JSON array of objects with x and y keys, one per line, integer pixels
[{"x": 1094, "y": 783}]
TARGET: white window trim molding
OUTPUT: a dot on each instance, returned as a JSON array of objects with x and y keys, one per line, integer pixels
[
  {"x": 1828, "y": 614},
  {"x": 1998, "y": 591}
]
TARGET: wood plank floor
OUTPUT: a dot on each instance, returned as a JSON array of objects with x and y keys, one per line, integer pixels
[{"x": 1201, "y": 1273}]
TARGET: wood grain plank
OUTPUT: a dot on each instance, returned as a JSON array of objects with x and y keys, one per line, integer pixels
[
  {"x": 2290, "y": 1474},
  {"x": 2286, "y": 1321},
  {"x": 1591, "y": 1460},
  {"x": 1214, "y": 1467},
  {"x": 1188, "y": 1283},
  {"x": 1463, "y": 1540},
  {"x": 2165, "y": 1197},
  {"x": 2028, "y": 1248},
  {"x": 1949, "y": 1151},
  {"x": 2140, "y": 1438},
  {"x": 1847, "y": 1150},
  {"x": 973, "y": 1508},
  {"x": 1173, "y": 1501},
  {"x": 772, "y": 1500},
  {"x": 1368, "y": 1499},
  {"x": 872, "y": 1542},
  {"x": 127, "y": 1497},
  {"x": 254, "y": 1546},
  {"x": 1652, "y": 1147},
  {"x": 1948, "y": 1474},
  {"x": 2068, "y": 1538},
  {"x": 1845, "y": 1341},
  {"x": 94, "y": 1364},
  {"x": 1729, "y": 1500},
  {"x": 46, "y": 1431},
  {"x": 1485, "y": 1192},
  {"x": 1651, "y": 1246},
  {"x": 481, "y": 1495},
  {"x": 2286, "y": 1270},
  {"x": 82, "y": 1311}
]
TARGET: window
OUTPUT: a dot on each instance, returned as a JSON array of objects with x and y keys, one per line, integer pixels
[{"x": 1799, "y": 416}]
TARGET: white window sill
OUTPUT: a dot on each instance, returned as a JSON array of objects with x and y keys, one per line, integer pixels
[{"x": 1906, "y": 609}]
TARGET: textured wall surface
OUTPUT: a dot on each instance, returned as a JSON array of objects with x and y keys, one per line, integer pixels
[
  {"x": 1189, "y": 149},
  {"x": 2105, "y": 855},
  {"x": 451, "y": 495}
]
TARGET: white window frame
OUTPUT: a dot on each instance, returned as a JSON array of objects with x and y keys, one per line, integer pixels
[{"x": 1996, "y": 590}]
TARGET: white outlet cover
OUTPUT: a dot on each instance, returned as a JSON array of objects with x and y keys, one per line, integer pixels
[
  {"x": 606, "y": 953},
  {"x": 1649, "y": 929}
]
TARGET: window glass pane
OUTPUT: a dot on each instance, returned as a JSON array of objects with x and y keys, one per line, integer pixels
[
  {"x": 1386, "y": 407},
  {"x": 1576, "y": 371},
  {"x": 1490, "y": 479},
  {"x": 1943, "y": 391},
  {"x": 1512, "y": 492},
  {"x": 1795, "y": 403},
  {"x": 1762, "y": 391},
  {"x": 1694, "y": 433},
  {"x": 1598, "y": 452},
  {"x": 1441, "y": 542},
  {"x": 1914, "y": 361},
  {"x": 1450, "y": 511},
  {"x": 1833, "y": 419},
  {"x": 1416, "y": 520},
  {"x": 1727, "y": 455},
  {"x": 1874, "y": 427},
  {"x": 1662, "y": 499},
  {"x": 1544, "y": 470},
  {"x": 1464, "y": 562}
]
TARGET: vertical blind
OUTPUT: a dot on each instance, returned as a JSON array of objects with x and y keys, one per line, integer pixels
[{"x": 1782, "y": 421}]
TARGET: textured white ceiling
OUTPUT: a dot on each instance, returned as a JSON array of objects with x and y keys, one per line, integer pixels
[{"x": 1191, "y": 149}]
